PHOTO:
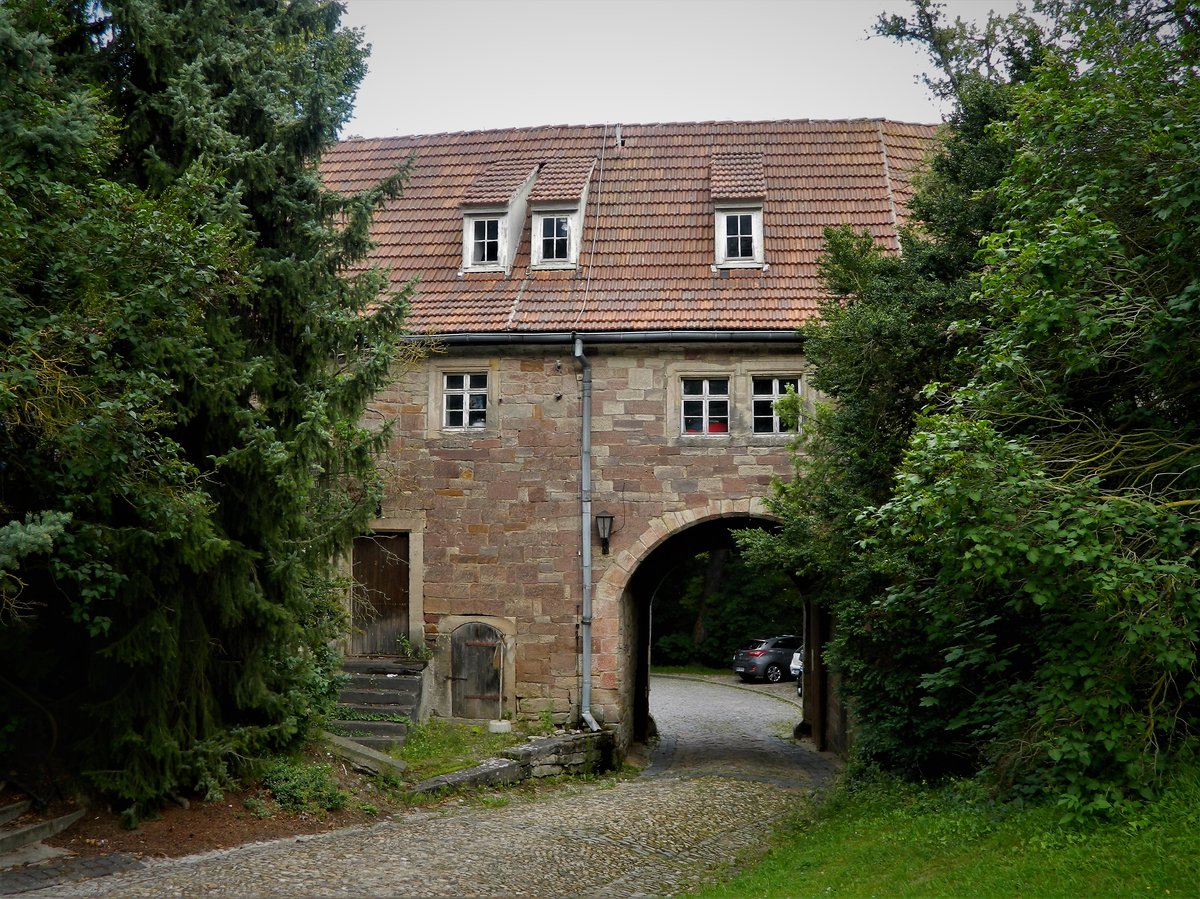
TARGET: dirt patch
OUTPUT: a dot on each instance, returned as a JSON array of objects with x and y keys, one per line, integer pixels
[{"x": 240, "y": 817}]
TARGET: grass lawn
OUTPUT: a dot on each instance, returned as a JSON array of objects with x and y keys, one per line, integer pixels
[
  {"x": 688, "y": 669},
  {"x": 441, "y": 747},
  {"x": 894, "y": 840}
]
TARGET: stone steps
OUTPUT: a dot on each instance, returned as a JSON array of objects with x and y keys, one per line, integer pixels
[
  {"x": 21, "y": 843},
  {"x": 379, "y": 687}
]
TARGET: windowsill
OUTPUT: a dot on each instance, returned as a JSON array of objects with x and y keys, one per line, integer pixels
[
  {"x": 563, "y": 266},
  {"x": 738, "y": 264},
  {"x": 482, "y": 270}
]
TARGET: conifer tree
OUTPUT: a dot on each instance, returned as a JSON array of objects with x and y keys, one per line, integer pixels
[{"x": 176, "y": 607}]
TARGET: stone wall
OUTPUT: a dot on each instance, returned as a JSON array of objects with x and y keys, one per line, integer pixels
[
  {"x": 496, "y": 512},
  {"x": 582, "y": 753}
]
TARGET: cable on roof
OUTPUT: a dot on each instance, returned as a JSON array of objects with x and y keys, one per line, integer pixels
[{"x": 587, "y": 284}]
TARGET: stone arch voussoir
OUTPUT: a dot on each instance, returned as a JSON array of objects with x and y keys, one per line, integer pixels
[{"x": 611, "y": 586}]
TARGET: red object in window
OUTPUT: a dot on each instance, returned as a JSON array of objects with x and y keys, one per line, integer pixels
[{"x": 718, "y": 427}]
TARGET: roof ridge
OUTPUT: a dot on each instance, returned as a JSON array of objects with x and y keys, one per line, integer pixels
[
  {"x": 887, "y": 180},
  {"x": 876, "y": 120}
]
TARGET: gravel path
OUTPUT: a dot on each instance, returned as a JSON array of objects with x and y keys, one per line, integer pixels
[{"x": 724, "y": 750}]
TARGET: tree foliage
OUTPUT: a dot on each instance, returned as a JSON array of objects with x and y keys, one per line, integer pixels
[
  {"x": 702, "y": 615},
  {"x": 186, "y": 362},
  {"x": 1017, "y": 505}
]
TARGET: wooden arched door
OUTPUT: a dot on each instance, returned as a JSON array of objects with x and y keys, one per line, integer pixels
[{"x": 476, "y": 666}]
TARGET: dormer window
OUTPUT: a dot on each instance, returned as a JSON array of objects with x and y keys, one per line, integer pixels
[
  {"x": 558, "y": 201},
  {"x": 738, "y": 188},
  {"x": 485, "y": 241},
  {"x": 493, "y": 214},
  {"x": 555, "y": 238},
  {"x": 739, "y": 237}
]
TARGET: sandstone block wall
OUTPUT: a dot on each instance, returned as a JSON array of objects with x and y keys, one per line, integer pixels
[{"x": 498, "y": 509}]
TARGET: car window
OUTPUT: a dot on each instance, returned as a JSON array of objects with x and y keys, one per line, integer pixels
[{"x": 755, "y": 644}]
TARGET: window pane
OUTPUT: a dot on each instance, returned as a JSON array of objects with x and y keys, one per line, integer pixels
[
  {"x": 764, "y": 386},
  {"x": 693, "y": 386},
  {"x": 481, "y": 230},
  {"x": 478, "y": 419},
  {"x": 560, "y": 248},
  {"x": 731, "y": 247},
  {"x": 493, "y": 229},
  {"x": 548, "y": 248},
  {"x": 560, "y": 227},
  {"x": 478, "y": 400},
  {"x": 693, "y": 408},
  {"x": 547, "y": 227},
  {"x": 764, "y": 408},
  {"x": 479, "y": 382},
  {"x": 454, "y": 402},
  {"x": 746, "y": 249},
  {"x": 731, "y": 226},
  {"x": 693, "y": 425},
  {"x": 719, "y": 387},
  {"x": 454, "y": 382},
  {"x": 454, "y": 419},
  {"x": 718, "y": 409}
]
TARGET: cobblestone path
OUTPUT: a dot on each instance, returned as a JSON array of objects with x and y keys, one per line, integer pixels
[{"x": 723, "y": 751}]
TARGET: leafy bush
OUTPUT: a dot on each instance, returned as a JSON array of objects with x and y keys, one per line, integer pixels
[
  {"x": 1051, "y": 630},
  {"x": 304, "y": 787}
]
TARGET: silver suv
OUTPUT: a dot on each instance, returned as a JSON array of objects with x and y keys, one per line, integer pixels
[{"x": 766, "y": 657}]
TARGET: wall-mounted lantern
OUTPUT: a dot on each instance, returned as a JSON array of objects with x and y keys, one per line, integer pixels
[{"x": 604, "y": 523}]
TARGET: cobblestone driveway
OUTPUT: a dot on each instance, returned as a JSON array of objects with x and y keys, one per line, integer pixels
[{"x": 723, "y": 751}]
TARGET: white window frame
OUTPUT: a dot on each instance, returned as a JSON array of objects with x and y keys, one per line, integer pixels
[
  {"x": 461, "y": 396},
  {"x": 720, "y": 245},
  {"x": 710, "y": 424},
  {"x": 778, "y": 390},
  {"x": 539, "y": 217},
  {"x": 499, "y": 264}
]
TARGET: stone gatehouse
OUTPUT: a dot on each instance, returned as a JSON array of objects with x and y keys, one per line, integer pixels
[{"x": 611, "y": 312}]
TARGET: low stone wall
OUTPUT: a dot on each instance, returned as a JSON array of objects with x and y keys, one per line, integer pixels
[{"x": 584, "y": 753}]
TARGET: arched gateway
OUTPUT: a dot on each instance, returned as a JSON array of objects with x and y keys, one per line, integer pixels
[{"x": 626, "y": 592}]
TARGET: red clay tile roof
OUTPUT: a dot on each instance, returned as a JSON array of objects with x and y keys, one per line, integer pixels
[
  {"x": 497, "y": 183},
  {"x": 647, "y": 245},
  {"x": 562, "y": 180},
  {"x": 737, "y": 176}
]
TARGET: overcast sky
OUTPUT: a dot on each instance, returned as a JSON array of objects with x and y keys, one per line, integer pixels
[{"x": 466, "y": 65}]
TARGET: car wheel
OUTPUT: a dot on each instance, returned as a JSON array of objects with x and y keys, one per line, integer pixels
[{"x": 774, "y": 674}]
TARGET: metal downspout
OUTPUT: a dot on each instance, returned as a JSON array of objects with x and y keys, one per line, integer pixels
[{"x": 585, "y": 482}]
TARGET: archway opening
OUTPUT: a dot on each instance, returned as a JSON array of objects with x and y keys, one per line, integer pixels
[{"x": 693, "y": 601}]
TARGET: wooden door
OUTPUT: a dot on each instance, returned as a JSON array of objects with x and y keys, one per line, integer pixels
[
  {"x": 476, "y": 664},
  {"x": 379, "y": 601}
]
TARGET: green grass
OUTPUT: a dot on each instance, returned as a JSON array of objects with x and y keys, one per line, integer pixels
[
  {"x": 441, "y": 747},
  {"x": 688, "y": 669},
  {"x": 895, "y": 840}
]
